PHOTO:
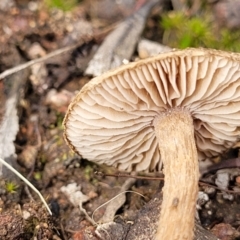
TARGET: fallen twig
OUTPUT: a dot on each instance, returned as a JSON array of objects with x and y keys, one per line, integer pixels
[
  {"x": 97, "y": 37},
  {"x": 39, "y": 60},
  {"x": 162, "y": 179},
  {"x": 128, "y": 176}
]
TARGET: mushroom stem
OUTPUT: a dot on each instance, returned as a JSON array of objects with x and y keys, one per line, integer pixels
[{"x": 175, "y": 133}]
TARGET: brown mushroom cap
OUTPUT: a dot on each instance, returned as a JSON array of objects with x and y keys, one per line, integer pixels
[{"x": 111, "y": 119}]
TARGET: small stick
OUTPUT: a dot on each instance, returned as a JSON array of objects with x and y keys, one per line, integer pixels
[
  {"x": 162, "y": 179},
  {"x": 127, "y": 176},
  {"x": 30, "y": 63},
  {"x": 97, "y": 37},
  {"x": 224, "y": 190}
]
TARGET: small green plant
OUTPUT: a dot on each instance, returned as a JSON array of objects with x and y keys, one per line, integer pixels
[
  {"x": 11, "y": 187},
  {"x": 60, "y": 118},
  {"x": 37, "y": 176},
  {"x": 65, "y": 5},
  {"x": 88, "y": 172},
  {"x": 182, "y": 31}
]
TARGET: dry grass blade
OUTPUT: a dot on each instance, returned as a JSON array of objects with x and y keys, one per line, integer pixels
[{"x": 27, "y": 182}]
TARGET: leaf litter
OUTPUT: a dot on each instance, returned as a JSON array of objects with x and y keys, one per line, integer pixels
[{"x": 48, "y": 163}]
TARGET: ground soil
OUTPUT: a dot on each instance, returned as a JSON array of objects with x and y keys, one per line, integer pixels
[{"x": 42, "y": 154}]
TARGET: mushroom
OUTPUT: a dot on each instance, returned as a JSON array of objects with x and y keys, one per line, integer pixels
[{"x": 172, "y": 109}]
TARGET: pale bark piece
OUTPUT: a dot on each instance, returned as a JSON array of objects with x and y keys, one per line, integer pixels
[
  {"x": 147, "y": 48},
  {"x": 115, "y": 204},
  {"x": 8, "y": 128},
  {"x": 12, "y": 90},
  {"x": 120, "y": 43},
  {"x": 74, "y": 194}
]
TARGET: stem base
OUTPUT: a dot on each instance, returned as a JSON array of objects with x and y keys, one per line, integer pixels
[{"x": 175, "y": 134}]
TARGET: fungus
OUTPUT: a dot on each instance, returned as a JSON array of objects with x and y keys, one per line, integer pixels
[{"x": 172, "y": 109}]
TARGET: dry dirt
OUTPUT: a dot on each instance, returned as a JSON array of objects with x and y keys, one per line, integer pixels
[{"x": 32, "y": 31}]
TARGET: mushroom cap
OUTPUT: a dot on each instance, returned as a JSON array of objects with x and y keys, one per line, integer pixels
[{"x": 111, "y": 119}]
